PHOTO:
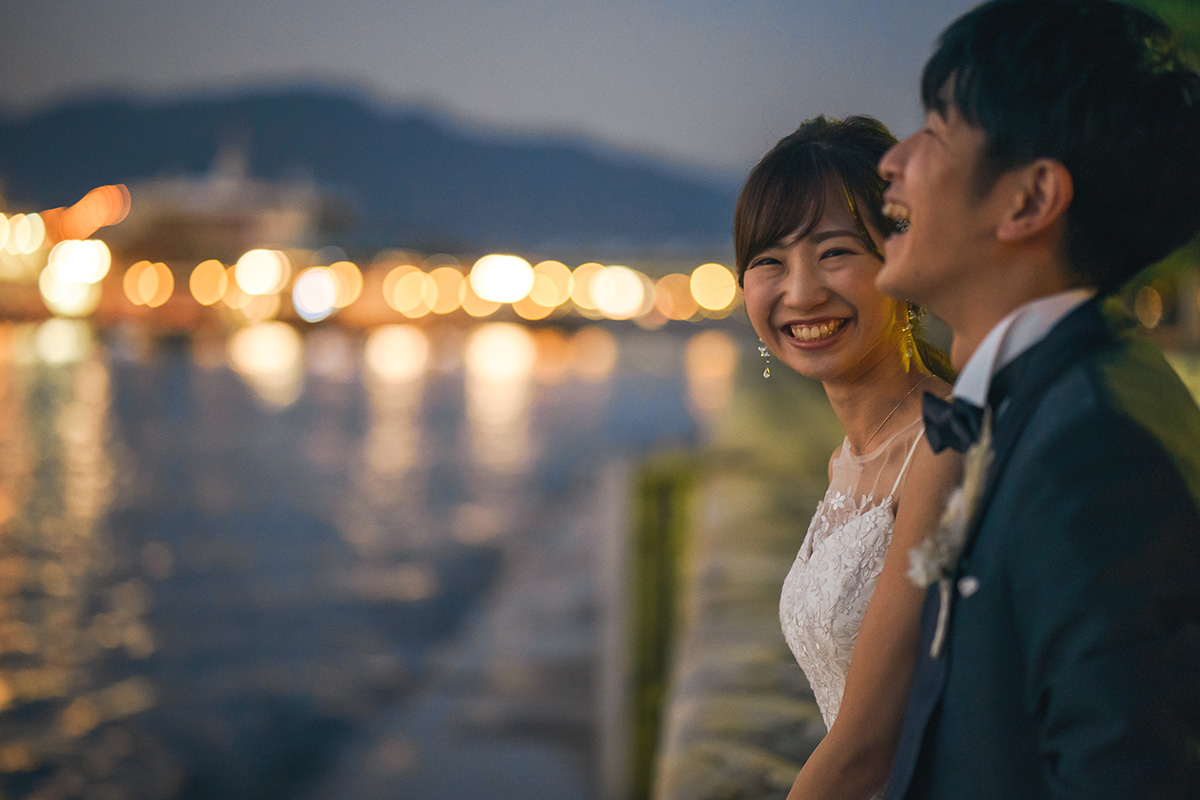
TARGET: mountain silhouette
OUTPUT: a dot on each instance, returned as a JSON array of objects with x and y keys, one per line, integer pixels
[{"x": 410, "y": 175}]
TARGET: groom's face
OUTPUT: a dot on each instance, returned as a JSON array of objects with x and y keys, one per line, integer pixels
[{"x": 936, "y": 189}]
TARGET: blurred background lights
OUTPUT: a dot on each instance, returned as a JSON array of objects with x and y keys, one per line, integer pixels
[
  {"x": 618, "y": 293},
  {"x": 673, "y": 297},
  {"x": 710, "y": 361},
  {"x": 269, "y": 356},
  {"x": 554, "y": 355},
  {"x": 473, "y": 304},
  {"x": 391, "y": 279},
  {"x": 68, "y": 298},
  {"x": 102, "y": 206},
  {"x": 581, "y": 285},
  {"x": 77, "y": 261},
  {"x": 529, "y": 308},
  {"x": 447, "y": 282},
  {"x": 713, "y": 286},
  {"x": 499, "y": 352},
  {"x": 148, "y": 284},
  {"x": 551, "y": 284},
  {"x": 349, "y": 279},
  {"x": 26, "y": 234},
  {"x": 262, "y": 271},
  {"x": 62, "y": 341},
  {"x": 502, "y": 278},
  {"x": 415, "y": 294},
  {"x": 396, "y": 353},
  {"x": 258, "y": 308},
  {"x": 595, "y": 353},
  {"x": 315, "y": 294},
  {"x": 209, "y": 282}
]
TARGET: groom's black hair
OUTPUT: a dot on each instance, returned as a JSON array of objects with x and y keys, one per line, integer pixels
[{"x": 1100, "y": 87}]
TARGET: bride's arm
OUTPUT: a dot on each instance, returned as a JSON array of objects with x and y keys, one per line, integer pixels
[{"x": 854, "y": 759}]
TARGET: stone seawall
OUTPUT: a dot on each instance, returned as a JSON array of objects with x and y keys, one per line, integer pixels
[{"x": 739, "y": 718}]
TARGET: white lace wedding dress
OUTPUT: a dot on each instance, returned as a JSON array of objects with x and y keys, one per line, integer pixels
[{"x": 827, "y": 590}]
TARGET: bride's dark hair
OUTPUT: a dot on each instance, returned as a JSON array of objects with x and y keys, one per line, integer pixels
[{"x": 785, "y": 195}]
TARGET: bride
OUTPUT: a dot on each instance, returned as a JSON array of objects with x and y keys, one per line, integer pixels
[{"x": 808, "y": 231}]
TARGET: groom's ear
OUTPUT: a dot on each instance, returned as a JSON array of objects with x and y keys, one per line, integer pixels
[{"x": 1041, "y": 192}]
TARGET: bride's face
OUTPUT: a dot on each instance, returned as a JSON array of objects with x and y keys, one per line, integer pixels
[{"x": 813, "y": 299}]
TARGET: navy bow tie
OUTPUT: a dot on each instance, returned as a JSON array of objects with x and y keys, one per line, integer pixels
[{"x": 955, "y": 424}]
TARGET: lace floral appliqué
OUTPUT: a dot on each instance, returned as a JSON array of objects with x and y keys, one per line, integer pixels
[{"x": 825, "y": 594}]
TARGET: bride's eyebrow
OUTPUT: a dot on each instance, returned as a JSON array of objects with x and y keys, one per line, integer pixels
[{"x": 822, "y": 236}]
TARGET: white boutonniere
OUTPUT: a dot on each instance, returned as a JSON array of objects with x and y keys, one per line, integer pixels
[{"x": 935, "y": 559}]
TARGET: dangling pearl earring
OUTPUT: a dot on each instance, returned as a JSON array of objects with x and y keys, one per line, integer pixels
[{"x": 763, "y": 352}]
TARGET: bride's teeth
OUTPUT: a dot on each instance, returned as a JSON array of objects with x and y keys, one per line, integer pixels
[
  {"x": 808, "y": 333},
  {"x": 899, "y": 213}
]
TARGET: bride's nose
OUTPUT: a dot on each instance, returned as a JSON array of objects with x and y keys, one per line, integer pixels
[{"x": 804, "y": 286}]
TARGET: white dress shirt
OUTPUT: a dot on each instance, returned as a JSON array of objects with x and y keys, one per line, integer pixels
[{"x": 1011, "y": 336}]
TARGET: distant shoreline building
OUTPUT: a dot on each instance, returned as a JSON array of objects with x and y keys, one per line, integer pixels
[{"x": 223, "y": 214}]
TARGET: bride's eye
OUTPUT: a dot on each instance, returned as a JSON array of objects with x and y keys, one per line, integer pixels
[
  {"x": 760, "y": 261},
  {"x": 834, "y": 252}
]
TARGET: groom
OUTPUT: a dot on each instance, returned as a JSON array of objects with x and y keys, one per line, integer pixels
[{"x": 1060, "y": 650}]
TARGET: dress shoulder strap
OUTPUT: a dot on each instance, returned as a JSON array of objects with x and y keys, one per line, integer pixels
[{"x": 907, "y": 460}]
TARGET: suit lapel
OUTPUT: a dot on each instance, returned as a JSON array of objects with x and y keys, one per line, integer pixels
[{"x": 1083, "y": 330}]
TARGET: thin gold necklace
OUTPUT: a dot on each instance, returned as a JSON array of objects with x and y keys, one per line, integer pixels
[{"x": 893, "y": 411}]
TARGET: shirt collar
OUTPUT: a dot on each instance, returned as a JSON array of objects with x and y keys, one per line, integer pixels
[{"x": 1011, "y": 336}]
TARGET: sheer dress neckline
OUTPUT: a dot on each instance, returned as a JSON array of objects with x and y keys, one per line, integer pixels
[{"x": 847, "y": 453}]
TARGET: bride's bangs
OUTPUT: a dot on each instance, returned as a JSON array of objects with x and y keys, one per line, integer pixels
[{"x": 780, "y": 201}]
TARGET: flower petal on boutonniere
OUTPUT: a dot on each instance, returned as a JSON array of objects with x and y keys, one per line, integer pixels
[{"x": 936, "y": 558}]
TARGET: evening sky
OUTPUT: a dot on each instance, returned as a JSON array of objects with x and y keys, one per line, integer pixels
[{"x": 708, "y": 84}]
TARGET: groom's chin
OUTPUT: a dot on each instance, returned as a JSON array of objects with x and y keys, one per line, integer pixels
[{"x": 890, "y": 280}]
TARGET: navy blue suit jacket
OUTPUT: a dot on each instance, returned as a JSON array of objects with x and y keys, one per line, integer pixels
[{"x": 1073, "y": 669}]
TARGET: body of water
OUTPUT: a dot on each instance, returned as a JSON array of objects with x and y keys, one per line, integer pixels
[{"x": 331, "y": 565}]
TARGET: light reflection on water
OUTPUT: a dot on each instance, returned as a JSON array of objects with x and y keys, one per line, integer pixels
[{"x": 222, "y": 561}]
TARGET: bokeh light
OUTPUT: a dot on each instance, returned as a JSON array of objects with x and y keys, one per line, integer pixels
[
  {"x": 349, "y": 280},
  {"x": 499, "y": 352},
  {"x": 554, "y": 356},
  {"x": 618, "y": 293},
  {"x": 148, "y": 284},
  {"x": 397, "y": 353},
  {"x": 262, "y": 271},
  {"x": 65, "y": 297},
  {"x": 710, "y": 361},
  {"x": 62, "y": 341},
  {"x": 26, "y": 234},
  {"x": 76, "y": 261},
  {"x": 315, "y": 294},
  {"x": 551, "y": 284},
  {"x": 416, "y": 294},
  {"x": 530, "y": 309},
  {"x": 269, "y": 357},
  {"x": 581, "y": 284},
  {"x": 595, "y": 353},
  {"x": 102, "y": 206},
  {"x": 475, "y": 305},
  {"x": 258, "y": 308},
  {"x": 499, "y": 360},
  {"x": 208, "y": 282},
  {"x": 447, "y": 283},
  {"x": 501, "y": 278},
  {"x": 673, "y": 297},
  {"x": 713, "y": 286}
]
